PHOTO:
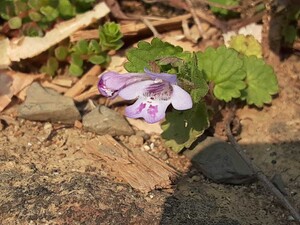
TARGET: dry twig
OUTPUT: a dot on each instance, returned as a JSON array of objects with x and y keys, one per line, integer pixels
[
  {"x": 260, "y": 175},
  {"x": 195, "y": 17},
  {"x": 150, "y": 26}
]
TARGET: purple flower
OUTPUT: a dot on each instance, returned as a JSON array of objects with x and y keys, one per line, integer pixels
[{"x": 153, "y": 91}]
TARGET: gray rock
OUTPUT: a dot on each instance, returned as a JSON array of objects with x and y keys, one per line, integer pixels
[
  {"x": 103, "y": 120},
  {"x": 219, "y": 161},
  {"x": 43, "y": 104}
]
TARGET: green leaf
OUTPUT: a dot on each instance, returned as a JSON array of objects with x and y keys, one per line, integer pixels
[
  {"x": 76, "y": 59},
  {"x": 61, "y": 52},
  {"x": 97, "y": 59},
  {"x": 20, "y": 7},
  {"x": 221, "y": 11},
  {"x": 49, "y": 12},
  {"x": 246, "y": 45},
  {"x": 7, "y": 10},
  {"x": 81, "y": 47},
  {"x": 33, "y": 31},
  {"x": 66, "y": 9},
  {"x": 261, "y": 82},
  {"x": 51, "y": 66},
  {"x": 75, "y": 70},
  {"x": 223, "y": 67},
  {"x": 145, "y": 53},
  {"x": 83, "y": 5},
  {"x": 197, "y": 78},
  {"x": 110, "y": 36},
  {"x": 15, "y": 22},
  {"x": 37, "y": 4},
  {"x": 94, "y": 47},
  {"x": 35, "y": 16},
  {"x": 182, "y": 128}
]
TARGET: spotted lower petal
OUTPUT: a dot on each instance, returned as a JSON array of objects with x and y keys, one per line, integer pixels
[
  {"x": 152, "y": 111},
  {"x": 181, "y": 100}
]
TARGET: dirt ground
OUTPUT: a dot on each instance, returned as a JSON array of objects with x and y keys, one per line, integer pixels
[{"x": 46, "y": 177}]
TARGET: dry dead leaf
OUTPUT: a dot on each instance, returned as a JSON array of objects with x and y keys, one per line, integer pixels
[
  {"x": 146, "y": 127},
  {"x": 12, "y": 83}
]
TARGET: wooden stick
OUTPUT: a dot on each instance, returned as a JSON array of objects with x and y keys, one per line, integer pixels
[
  {"x": 260, "y": 175},
  {"x": 88, "y": 79}
]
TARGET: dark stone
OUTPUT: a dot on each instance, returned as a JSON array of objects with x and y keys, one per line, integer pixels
[{"x": 220, "y": 162}]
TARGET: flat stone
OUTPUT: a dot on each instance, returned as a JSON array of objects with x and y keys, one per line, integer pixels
[
  {"x": 220, "y": 162},
  {"x": 103, "y": 120},
  {"x": 44, "y": 104}
]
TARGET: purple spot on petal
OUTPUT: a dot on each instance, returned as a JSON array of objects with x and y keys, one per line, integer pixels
[
  {"x": 140, "y": 108},
  {"x": 152, "y": 110}
]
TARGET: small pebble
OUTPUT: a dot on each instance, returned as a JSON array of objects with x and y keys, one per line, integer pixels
[
  {"x": 146, "y": 147},
  {"x": 47, "y": 126},
  {"x": 143, "y": 134},
  {"x": 164, "y": 156},
  {"x": 136, "y": 140},
  {"x": 152, "y": 146},
  {"x": 195, "y": 178}
]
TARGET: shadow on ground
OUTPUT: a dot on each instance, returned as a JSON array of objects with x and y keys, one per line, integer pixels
[{"x": 197, "y": 200}]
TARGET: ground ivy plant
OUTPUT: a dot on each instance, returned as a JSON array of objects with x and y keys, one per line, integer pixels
[{"x": 160, "y": 74}]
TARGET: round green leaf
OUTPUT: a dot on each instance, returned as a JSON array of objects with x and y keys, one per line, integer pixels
[
  {"x": 15, "y": 23},
  {"x": 223, "y": 67},
  {"x": 75, "y": 70},
  {"x": 49, "y": 12},
  {"x": 261, "y": 82},
  {"x": 66, "y": 9},
  {"x": 246, "y": 45},
  {"x": 61, "y": 53},
  {"x": 94, "y": 47},
  {"x": 35, "y": 16},
  {"x": 97, "y": 59},
  {"x": 76, "y": 59}
]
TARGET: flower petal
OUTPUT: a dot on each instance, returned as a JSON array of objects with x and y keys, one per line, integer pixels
[
  {"x": 181, "y": 100},
  {"x": 163, "y": 76},
  {"x": 110, "y": 82},
  {"x": 152, "y": 112},
  {"x": 135, "y": 90}
]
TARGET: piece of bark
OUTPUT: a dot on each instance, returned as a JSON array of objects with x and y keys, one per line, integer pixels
[
  {"x": 88, "y": 79},
  {"x": 63, "y": 81},
  {"x": 23, "y": 48},
  {"x": 93, "y": 91},
  {"x": 141, "y": 170},
  {"x": 134, "y": 28},
  {"x": 57, "y": 88}
]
